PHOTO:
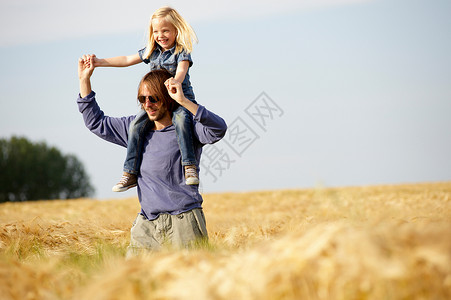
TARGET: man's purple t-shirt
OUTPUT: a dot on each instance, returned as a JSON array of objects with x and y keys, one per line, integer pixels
[{"x": 161, "y": 183}]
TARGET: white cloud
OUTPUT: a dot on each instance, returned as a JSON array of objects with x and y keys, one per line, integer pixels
[{"x": 30, "y": 21}]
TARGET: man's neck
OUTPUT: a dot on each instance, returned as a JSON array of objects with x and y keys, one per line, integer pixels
[{"x": 163, "y": 123}]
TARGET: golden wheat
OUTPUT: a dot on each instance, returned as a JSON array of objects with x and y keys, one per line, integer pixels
[{"x": 376, "y": 242}]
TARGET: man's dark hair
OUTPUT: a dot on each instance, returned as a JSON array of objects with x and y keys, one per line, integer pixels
[{"x": 154, "y": 81}]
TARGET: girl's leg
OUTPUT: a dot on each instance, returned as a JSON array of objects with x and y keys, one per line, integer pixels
[
  {"x": 183, "y": 123},
  {"x": 132, "y": 163},
  {"x": 134, "y": 146}
]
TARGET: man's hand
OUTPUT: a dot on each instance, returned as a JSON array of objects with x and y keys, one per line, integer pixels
[
  {"x": 85, "y": 69},
  {"x": 176, "y": 92},
  {"x": 85, "y": 66}
]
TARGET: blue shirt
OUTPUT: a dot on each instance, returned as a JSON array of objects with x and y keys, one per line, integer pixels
[
  {"x": 169, "y": 60},
  {"x": 161, "y": 183}
]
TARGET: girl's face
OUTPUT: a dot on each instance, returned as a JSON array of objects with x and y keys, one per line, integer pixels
[{"x": 164, "y": 33}]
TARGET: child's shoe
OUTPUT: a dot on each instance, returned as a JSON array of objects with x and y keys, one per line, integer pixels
[
  {"x": 127, "y": 181},
  {"x": 191, "y": 177}
]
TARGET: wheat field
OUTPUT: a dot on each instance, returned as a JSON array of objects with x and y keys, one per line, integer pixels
[{"x": 372, "y": 242}]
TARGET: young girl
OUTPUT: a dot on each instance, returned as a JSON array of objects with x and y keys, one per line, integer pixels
[{"x": 169, "y": 46}]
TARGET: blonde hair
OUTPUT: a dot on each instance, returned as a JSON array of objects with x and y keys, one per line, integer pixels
[{"x": 185, "y": 33}]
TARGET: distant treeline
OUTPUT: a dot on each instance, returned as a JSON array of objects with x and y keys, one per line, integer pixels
[{"x": 35, "y": 171}]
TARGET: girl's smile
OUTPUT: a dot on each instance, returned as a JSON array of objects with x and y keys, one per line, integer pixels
[{"x": 164, "y": 33}]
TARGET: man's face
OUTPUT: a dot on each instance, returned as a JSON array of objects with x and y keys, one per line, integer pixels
[{"x": 155, "y": 111}]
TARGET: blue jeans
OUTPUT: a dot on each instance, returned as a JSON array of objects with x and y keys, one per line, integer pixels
[{"x": 183, "y": 123}]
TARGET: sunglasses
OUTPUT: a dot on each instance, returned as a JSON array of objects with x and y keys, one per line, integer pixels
[{"x": 142, "y": 99}]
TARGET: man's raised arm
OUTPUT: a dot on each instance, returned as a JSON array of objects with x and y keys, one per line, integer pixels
[
  {"x": 85, "y": 69},
  {"x": 209, "y": 127}
]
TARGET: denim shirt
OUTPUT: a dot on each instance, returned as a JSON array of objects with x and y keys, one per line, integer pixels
[{"x": 169, "y": 60}]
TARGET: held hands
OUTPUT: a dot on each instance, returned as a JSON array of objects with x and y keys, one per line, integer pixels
[
  {"x": 175, "y": 90},
  {"x": 86, "y": 66},
  {"x": 85, "y": 69}
]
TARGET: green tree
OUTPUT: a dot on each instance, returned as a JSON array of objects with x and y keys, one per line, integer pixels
[{"x": 33, "y": 171}]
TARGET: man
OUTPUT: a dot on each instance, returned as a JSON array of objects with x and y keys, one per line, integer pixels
[{"x": 171, "y": 211}]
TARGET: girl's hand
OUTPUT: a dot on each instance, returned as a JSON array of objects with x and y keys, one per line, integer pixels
[{"x": 97, "y": 62}]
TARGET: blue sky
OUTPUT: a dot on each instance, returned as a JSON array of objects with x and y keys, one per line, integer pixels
[{"x": 361, "y": 90}]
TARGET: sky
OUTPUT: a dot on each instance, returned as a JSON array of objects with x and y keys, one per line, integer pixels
[{"x": 315, "y": 93}]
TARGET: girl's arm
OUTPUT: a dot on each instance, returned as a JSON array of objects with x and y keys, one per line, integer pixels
[
  {"x": 118, "y": 61},
  {"x": 182, "y": 69}
]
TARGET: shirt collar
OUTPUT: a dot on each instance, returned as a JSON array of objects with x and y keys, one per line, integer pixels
[{"x": 172, "y": 50}]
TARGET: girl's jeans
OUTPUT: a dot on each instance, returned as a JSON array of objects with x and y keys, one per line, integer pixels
[{"x": 183, "y": 123}]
